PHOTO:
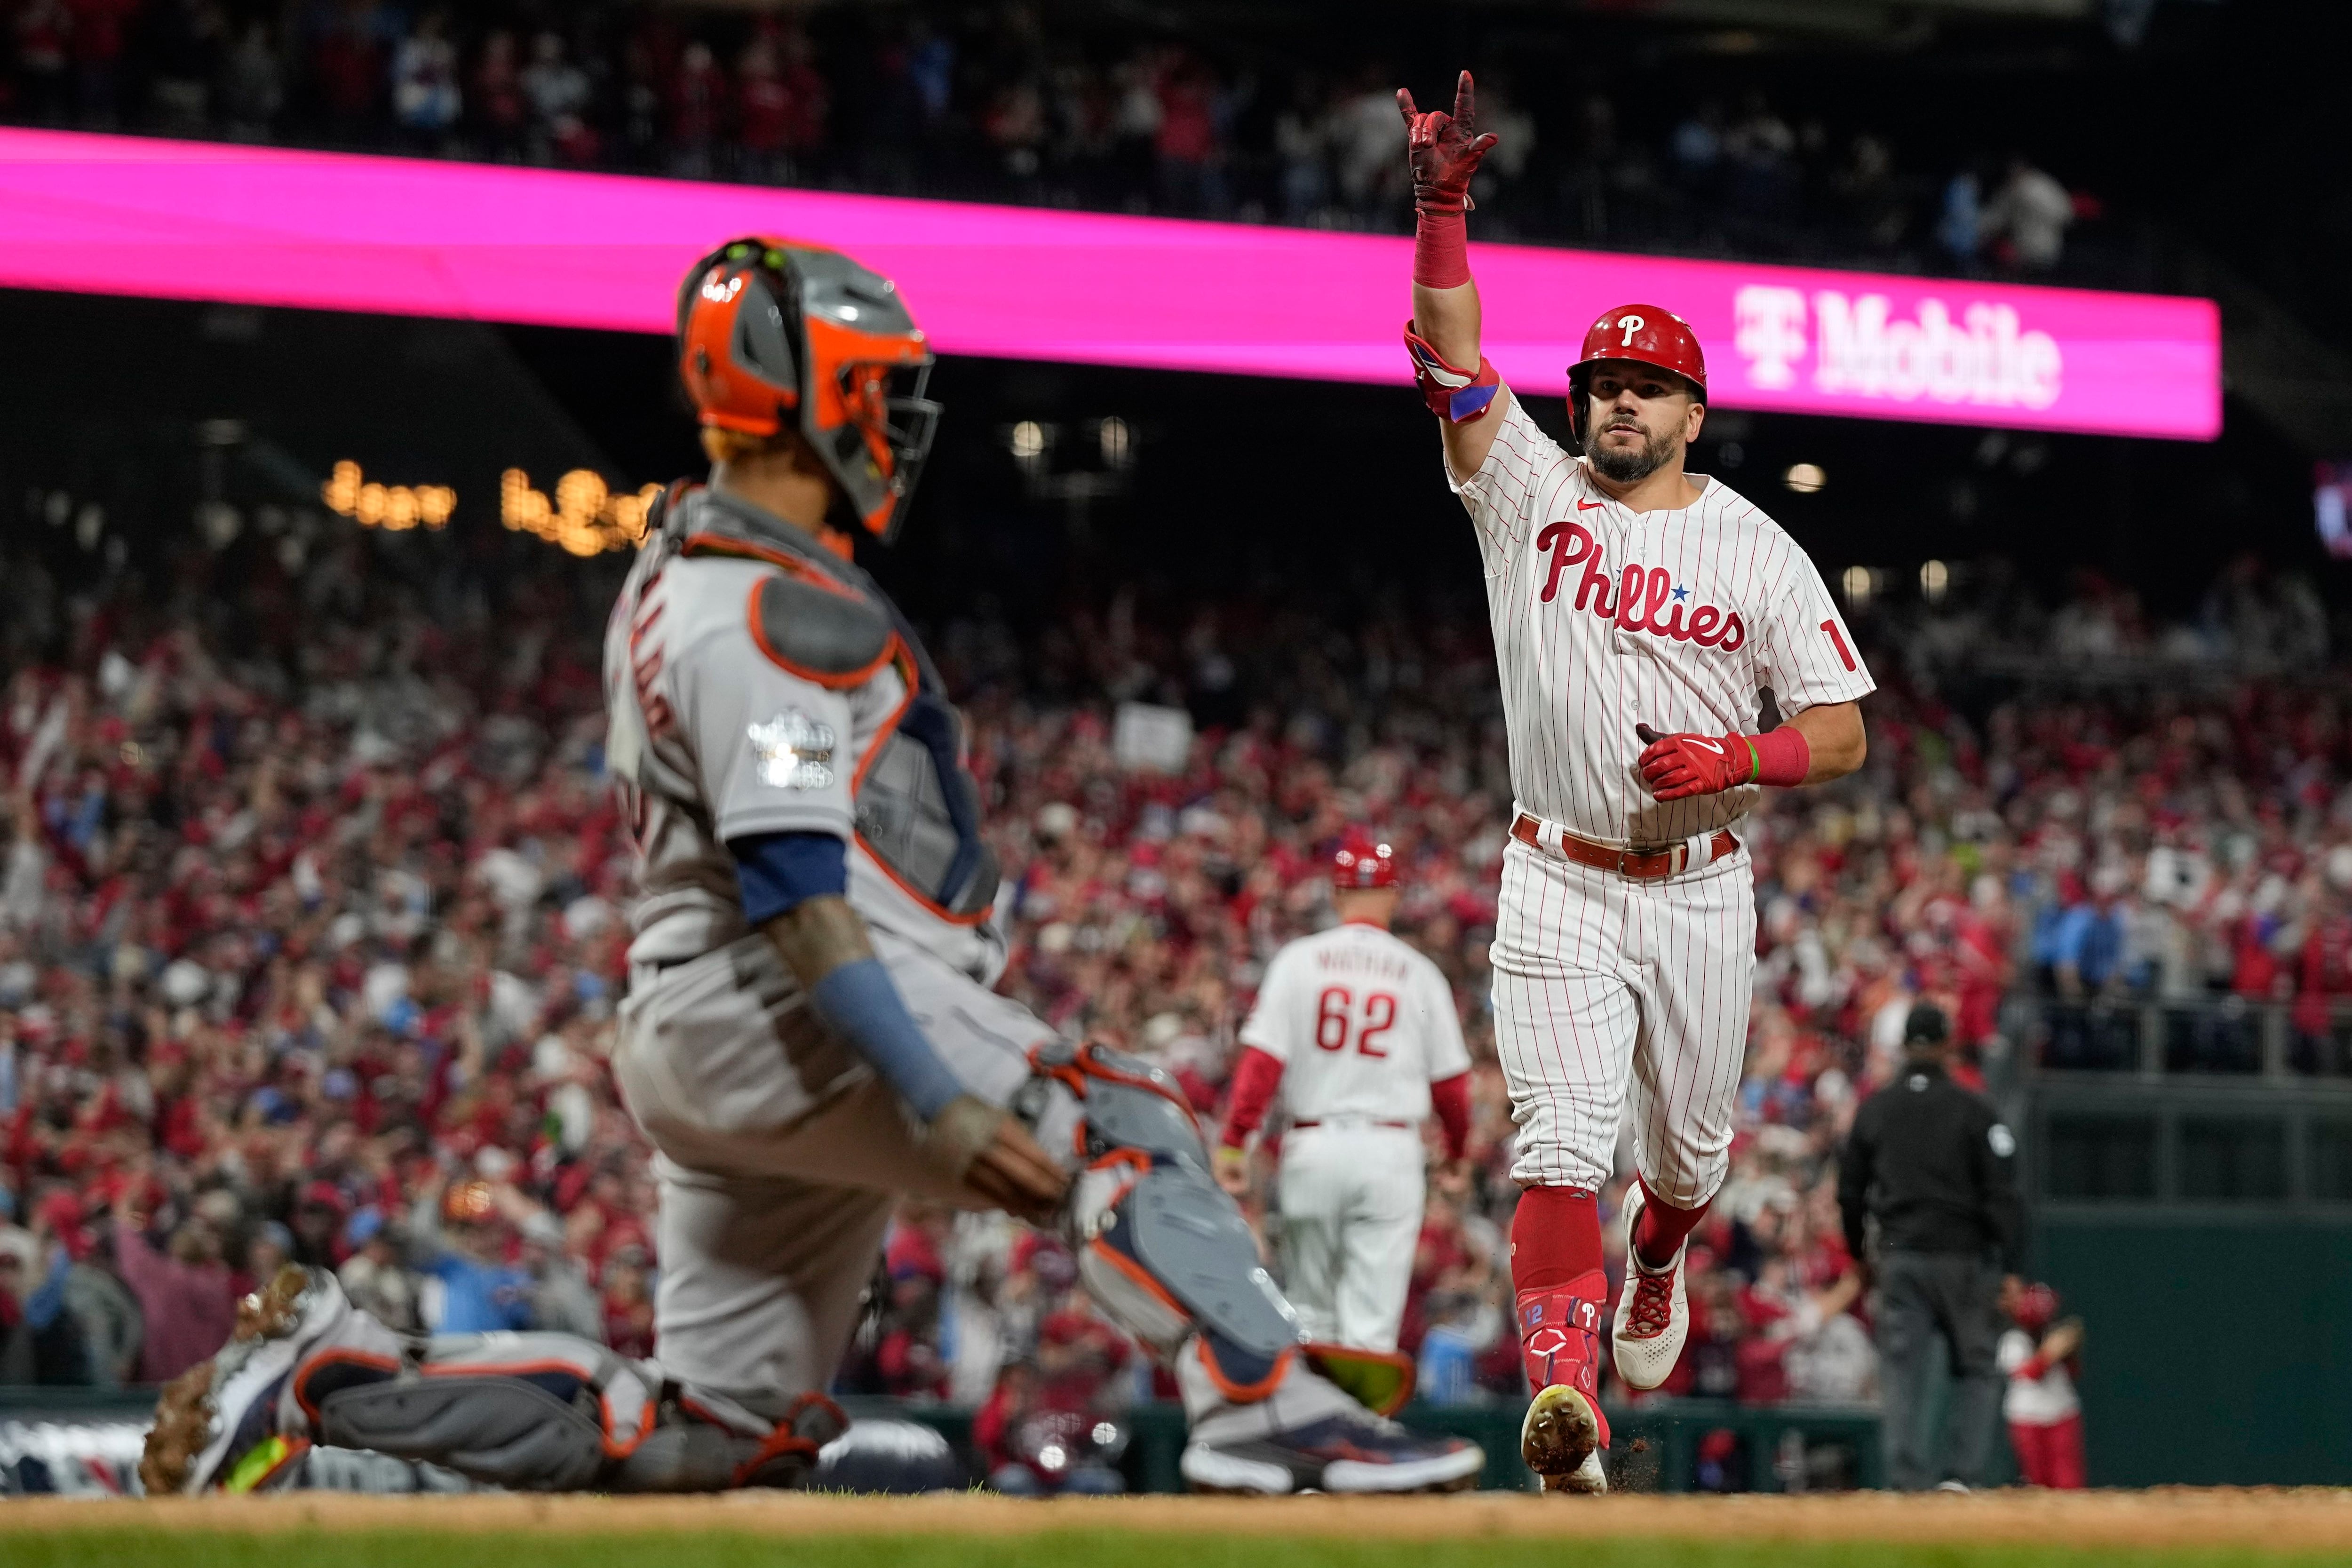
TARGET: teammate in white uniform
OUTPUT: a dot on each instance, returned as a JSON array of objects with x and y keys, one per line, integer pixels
[
  {"x": 1639, "y": 611},
  {"x": 1359, "y": 1033}
]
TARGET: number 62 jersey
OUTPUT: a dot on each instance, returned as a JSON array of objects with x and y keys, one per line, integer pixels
[
  {"x": 1605, "y": 619},
  {"x": 1362, "y": 1023}
]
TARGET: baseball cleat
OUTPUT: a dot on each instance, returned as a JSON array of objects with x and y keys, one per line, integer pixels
[
  {"x": 218, "y": 1424},
  {"x": 1561, "y": 1439},
  {"x": 1652, "y": 1310},
  {"x": 1355, "y": 1452}
]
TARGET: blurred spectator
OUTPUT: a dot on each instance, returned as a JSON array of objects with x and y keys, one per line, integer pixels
[
  {"x": 1053, "y": 1423},
  {"x": 187, "y": 1303},
  {"x": 1959, "y": 231},
  {"x": 426, "y": 98},
  {"x": 86, "y": 1325},
  {"x": 253, "y": 85},
  {"x": 557, "y": 91},
  {"x": 462, "y": 1242},
  {"x": 500, "y": 106},
  {"x": 376, "y": 1277},
  {"x": 2025, "y": 222},
  {"x": 699, "y": 111},
  {"x": 347, "y": 67}
]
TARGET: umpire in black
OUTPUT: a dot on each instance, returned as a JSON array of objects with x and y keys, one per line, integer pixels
[{"x": 1933, "y": 1165}]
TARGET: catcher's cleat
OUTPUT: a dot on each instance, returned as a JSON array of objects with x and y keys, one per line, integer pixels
[
  {"x": 1561, "y": 1440},
  {"x": 1353, "y": 1451},
  {"x": 1652, "y": 1310},
  {"x": 228, "y": 1423}
]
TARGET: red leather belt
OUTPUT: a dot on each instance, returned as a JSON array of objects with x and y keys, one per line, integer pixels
[
  {"x": 1297, "y": 1126},
  {"x": 1639, "y": 865}
]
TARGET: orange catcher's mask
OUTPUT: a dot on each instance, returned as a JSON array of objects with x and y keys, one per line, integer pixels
[
  {"x": 771, "y": 331},
  {"x": 1644, "y": 335}
]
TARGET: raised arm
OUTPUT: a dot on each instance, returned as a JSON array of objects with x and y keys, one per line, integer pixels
[{"x": 1462, "y": 388}]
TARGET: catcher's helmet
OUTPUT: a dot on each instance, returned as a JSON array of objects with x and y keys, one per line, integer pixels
[
  {"x": 1362, "y": 862},
  {"x": 770, "y": 329},
  {"x": 1644, "y": 335}
]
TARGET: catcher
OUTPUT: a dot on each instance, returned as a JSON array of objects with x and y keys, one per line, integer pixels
[{"x": 809, "y": 1033}]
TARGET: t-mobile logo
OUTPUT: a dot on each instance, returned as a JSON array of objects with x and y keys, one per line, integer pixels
[{"x": 1769, "y": 334}]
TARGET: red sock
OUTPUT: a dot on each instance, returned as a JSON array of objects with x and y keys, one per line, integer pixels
[
  {"x": 1563, "y": 1293},
  {"x": 1661, "y": 1226}
]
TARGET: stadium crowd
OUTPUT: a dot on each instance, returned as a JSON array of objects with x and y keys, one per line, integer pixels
[
  {"x": 1012, "y": 102},
  {"x": 313, "y": 911}
]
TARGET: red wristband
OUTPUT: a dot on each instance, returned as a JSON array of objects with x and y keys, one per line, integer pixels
[
  {"x": 1440, "y": 248},
  {"x": 1782, "y": 757}
]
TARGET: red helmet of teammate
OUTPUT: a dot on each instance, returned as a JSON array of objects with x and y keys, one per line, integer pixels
[
  {"x": 1362, "y": 862},
  {"x": 2037, "y": 1308},
  {"x": 776, "y": 330},
  {"x": 1646, "y": 334}
]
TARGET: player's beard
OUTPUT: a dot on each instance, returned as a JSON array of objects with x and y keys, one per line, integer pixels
[{"x": 1622, "y": 467}]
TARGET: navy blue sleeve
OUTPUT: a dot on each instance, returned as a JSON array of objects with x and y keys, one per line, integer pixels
[
  {"x": 861, "y": 1004},
  {"x": 777, "y": 872}
]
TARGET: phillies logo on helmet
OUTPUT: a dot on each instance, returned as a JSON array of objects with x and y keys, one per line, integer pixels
[
  {"x": 1642, "y": 334},
  {"x": 1362, "y": 862}
]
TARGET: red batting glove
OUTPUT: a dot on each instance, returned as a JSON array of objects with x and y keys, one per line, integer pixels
[
  {"x": 1675, "y": 767},
  {"x": 1445, "y": 149}
]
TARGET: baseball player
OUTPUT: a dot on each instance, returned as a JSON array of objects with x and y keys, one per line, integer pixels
[
  {"x": 809, "y": 1032},
  {"x": 1358, "y": 1032},
  {"x": 1638, "y": 611}
]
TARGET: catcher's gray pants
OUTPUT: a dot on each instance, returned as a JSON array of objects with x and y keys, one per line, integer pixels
[
  {"x": 1925, "y": 1298},
  {"x": 782, "y": 1153}
]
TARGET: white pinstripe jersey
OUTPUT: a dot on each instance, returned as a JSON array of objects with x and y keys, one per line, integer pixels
[{"x": 1604, "y": 618}]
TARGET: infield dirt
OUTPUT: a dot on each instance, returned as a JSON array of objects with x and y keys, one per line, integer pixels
[{"x": 2299, "y": 1521}]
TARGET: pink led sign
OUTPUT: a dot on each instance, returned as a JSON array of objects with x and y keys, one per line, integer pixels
[{"x": 271, "y": 227}]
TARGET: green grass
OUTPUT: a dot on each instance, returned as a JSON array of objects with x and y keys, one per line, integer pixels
[{"x": 301, "y": 1549}]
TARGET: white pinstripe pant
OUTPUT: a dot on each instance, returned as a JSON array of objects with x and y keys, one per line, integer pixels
[{"x": 1604, "y": 985}]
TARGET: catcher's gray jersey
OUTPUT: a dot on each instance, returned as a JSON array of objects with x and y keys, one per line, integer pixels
[{"x": 756, "y": 684}]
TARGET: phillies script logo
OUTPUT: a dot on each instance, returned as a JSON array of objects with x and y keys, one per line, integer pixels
[{"x": 1640, "y": 599}]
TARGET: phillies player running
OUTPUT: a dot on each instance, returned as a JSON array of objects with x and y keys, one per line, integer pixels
[
  {"x": 1638, "y": 610},
  {"x": 1359, "y": 1033}
]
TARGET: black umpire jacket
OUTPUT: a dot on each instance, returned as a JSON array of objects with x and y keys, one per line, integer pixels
[{"x": 1936, "y": 1167}]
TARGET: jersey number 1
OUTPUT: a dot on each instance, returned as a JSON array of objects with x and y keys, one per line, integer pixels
[
  {"x": 1837, "y": 641},
  {"x": 1336, "y": 1020}
]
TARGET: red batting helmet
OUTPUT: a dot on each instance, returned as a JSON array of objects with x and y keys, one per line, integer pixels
[
  {"x": 775, "y": 329},
  {"x": 1362, "y": 862},
  {"x": 2037, "y": 1308},
  {"x": 1646, "y": 334}
]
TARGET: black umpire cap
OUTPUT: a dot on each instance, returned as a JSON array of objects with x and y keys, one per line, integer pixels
[{"x": 1927, "y": 1025}]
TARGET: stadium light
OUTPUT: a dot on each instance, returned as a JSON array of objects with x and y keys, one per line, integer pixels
[
  {"x": 1805, "y": 478},
  {"x": 392, "y": 508},
  {"x": 1028, "y": 441},
  {"x": 585, "y": 518},
  {"x": 1118, "y": 442},
  {"x": 1935, "y": 577},
  {"x": 1860, "y": 582}
]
